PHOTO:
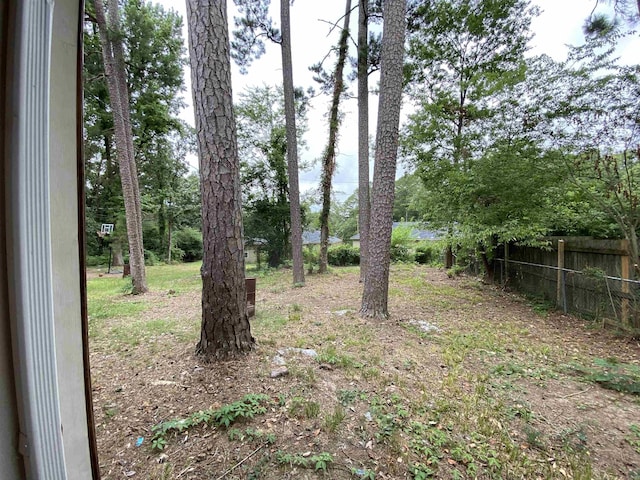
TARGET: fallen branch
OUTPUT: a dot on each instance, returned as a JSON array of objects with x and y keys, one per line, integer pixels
[
  {"x": 577, "y": 393},
  {"x": 188, "y": 469},
  {"x": 242, "y": 461}
]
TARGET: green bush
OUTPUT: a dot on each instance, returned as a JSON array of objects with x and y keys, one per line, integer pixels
[
  {"x": 428, "y": 253},
  {"x": 150, "y": 258},
  {"x": 311, "y": 254},
  {"x": 401, "y": 253},
  {"x": 152, "y": 238},
  {"x": 400, "y": 241},
  {"x": 189, "y": 240},
  {"x": 97, "y": 260},
  {"x": 343, "y": 255},
  {"x": 177, "y": 254},
  {"x": 311, "y": 257},
  {"x": 401, "y": 235}
]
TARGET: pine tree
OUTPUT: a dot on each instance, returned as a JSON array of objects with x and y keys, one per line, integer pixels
[
  {"x": 225, "y": 327},
  {"x": 376, "y": 283}
]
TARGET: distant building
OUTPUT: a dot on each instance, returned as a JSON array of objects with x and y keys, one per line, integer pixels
[
  {"x": 417, "y": 234},
  {"x": 311, "y": 238},
  {"x": 252, "y": 247}
]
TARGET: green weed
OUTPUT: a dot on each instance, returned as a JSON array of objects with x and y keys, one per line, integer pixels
[
  {"x": 611, "y": 374},
  {"x": 301, "y": 408},
  {"x": 319, "y": 462},
  {"x": 330, "y": 356},
  {"x": 249, "y": 406},
  {"x": 333, "y": 420},
  {"x": 634, "y": 438}
]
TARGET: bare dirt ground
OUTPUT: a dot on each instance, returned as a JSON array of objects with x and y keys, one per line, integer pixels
[{"x": 494, "y": 389}]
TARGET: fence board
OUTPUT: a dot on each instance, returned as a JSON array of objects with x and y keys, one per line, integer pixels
[{"x": 588, "y": 279}]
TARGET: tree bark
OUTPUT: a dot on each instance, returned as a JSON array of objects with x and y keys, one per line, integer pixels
[
  {"x": 364, "y": 206},
  {"x": 376, "y": 284},
  {"x": 225, "y": 330},
  {"x": 114, "y": 66},
  {"x": 329, "y": 159},
  {"x": 292, "y": 146},
  {"x": 448, "y": 257}
]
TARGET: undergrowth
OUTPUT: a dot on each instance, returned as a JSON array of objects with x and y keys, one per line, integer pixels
[
  {"x": 611, "y": 374},
  {"x": 248, "y": 407}
]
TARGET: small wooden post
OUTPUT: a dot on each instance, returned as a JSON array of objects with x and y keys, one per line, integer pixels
[
  {"x": 626, "y": 288},
  {"x": 559, "y": 289},
  {"x": 250, "y": 284}
]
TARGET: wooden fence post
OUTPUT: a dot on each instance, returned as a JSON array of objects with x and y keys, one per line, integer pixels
[
  {"x": 559, "y": 289},
  {"x": 626, "y": 288}
]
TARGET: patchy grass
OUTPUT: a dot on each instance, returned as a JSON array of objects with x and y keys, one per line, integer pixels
[
  {"x": 500, "y": 390},
  {"x": 612, "y": 374}
]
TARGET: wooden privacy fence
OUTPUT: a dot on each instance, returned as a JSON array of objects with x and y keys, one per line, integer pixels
[{"x": 593, "y": 278}]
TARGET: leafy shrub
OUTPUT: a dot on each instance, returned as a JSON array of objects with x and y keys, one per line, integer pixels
[
  {"x": 428, "y": 253},
  {"x": 401, "y": 235},
  {"x": 400, "y": 240},
  {"x": 311, "y": 254},
  {"x": 343, "y": 255},
  {"x": 152, "y": 238},
  {"x": 401, "y": 253},
  {"x": 311, "y": 257},
  {"x": 189, "y": 240},
  {"x": 177, "y": 254},
  {"x": 456, "y": 270},
  {"x": 150, "y": 257}
]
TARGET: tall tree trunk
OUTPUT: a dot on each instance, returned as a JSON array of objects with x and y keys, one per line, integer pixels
[
  {"x": 364, "y": 206},
  {"x": 115, "y": 72},
  {"x": 225, "y": 327},
  {"x": 329, "y": 159},
  {"x": 292, "y": 146},
  {"x": 376, "y": 283}
]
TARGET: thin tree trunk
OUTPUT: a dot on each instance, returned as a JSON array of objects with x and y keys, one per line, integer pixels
[
  {"x": 115, "y": 74},
  {"x": 376, "y": 284},
  {"x": 225, "y": 327},
  {"x": 121, "y": 77},
  {"x": 364, "y": 206},
  {"x": 292, "y": 146},
  {"x": 169, "y": 240},
  {"x": 448, "y": 257},
  {"x": 488, "y": 268},
  {"x": 329, "y": 160}
]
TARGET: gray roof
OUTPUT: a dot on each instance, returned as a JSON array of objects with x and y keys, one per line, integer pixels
[
  {"x": 416, "y": 233},
  {"x": 313, "y": 238},
  {"x": 255, "y": 241}
]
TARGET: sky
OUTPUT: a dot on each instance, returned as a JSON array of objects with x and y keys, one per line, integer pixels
[{"x": 558, "y": 25}]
